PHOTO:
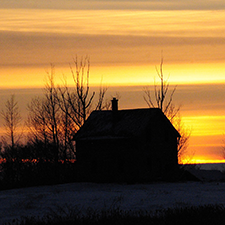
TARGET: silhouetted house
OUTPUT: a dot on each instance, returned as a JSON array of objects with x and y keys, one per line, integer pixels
[{"x": 126, "y": 145}]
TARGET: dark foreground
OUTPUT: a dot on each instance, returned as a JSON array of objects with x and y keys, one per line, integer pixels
[
  {"x": 207, "y": 214},
  {"x": 114, "y": 202}
]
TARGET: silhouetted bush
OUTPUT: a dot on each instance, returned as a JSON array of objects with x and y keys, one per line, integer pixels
[
  {"x": 24, "y": 174},
  {"x": 30, "y": 165}
]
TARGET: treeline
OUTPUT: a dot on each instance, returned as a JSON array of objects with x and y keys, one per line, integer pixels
[{"x": 48, "y": 155}]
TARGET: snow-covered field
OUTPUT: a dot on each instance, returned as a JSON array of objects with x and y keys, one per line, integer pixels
[{"x": 36, "y": 201}]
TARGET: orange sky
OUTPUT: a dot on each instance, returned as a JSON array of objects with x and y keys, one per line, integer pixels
[{"x": 125, "y": 42}]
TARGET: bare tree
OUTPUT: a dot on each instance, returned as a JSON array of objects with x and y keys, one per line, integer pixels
[
  {"x": 44, "y": 120},
  {"x": 12, "y": 121},
  {"x": 79, "y": 98},
  {"x": 68, "y": 119},
  {"x": 102, "y": 103},
  {"x": 173, "y": 114},
  {"x": 82, "y": 99},
  {"x": 57, "y": 116},
  {"x": 36, "y": 122},
  {"x": 161, "y": 94},
  {"x": 52, "y": 111},
  {"x": 163, "y": 99}
]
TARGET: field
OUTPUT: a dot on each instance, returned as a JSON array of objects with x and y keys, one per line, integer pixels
[{"x": 86, "y": 197}]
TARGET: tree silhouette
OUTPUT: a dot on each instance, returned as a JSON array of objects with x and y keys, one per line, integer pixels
[
  {"x": 56, "y": 117},
  {"x": 45, "y": 120},
  {"x": 163, "y": 99},
  {"x": 12, "y": 121},
  {"x": 77, "y": 102}
]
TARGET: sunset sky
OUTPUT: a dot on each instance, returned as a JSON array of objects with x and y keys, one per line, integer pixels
[{"x": 125, "y": 41}]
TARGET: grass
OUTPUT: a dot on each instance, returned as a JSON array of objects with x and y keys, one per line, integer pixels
[{"x": 67, "y": 215}]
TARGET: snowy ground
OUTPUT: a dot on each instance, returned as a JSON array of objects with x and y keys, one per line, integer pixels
[{"x": 39, "y": 200}]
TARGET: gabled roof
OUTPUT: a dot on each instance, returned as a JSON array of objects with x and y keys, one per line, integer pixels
[{"x": 121, "y": 123}]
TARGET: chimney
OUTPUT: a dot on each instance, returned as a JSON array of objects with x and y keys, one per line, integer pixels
[{"x": 114, "y": 104}]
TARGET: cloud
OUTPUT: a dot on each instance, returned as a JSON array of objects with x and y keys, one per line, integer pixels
[
  {"x": 19, "y": 48},
  {"x": 117, "y": 4},
  {"x": 133, "y": 23},
  {"x": 199, "y": 99}
]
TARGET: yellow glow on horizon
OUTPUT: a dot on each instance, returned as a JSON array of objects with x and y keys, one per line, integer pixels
[
  {"x": 206, "y": 125},
  {"x": 202, "y": 156},
  {"x": 31, "y": 77},
  {"x": 199, "y": 73},
  {"x": 202, "y": 161},
  {"x": 21, "y": 77},
  {"x": 177, "y": 74}
]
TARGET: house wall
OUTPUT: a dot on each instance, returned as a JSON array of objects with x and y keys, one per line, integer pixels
[
  {"x": 161, "y": 144},
  {"x": 150, "y": 155},
  {"x": 106, "y": 160},
  {"x": 140, "y": 159}
]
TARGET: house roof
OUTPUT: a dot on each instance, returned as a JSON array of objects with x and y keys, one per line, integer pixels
[{"x": 120, "y": 124}]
